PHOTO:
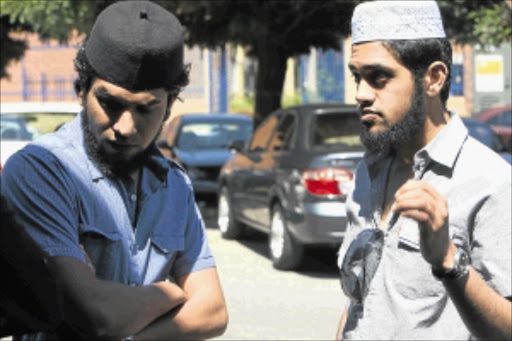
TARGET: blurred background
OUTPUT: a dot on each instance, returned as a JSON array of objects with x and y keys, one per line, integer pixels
[{"x": 253, "y": 56}]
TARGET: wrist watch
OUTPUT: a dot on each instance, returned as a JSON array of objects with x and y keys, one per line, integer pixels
[{"x": 460, "y": 267}]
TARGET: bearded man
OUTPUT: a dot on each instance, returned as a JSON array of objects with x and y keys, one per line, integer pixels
[
  {"x": 116, "y": 219},
  {"x": 427, "y": 252}
]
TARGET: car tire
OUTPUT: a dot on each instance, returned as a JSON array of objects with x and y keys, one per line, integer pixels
[
  {"x": 229, "y": 227},
  {"x": 286, "y": 253}
]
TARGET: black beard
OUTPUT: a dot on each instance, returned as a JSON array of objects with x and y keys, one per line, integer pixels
[
  {"x": 109, "y": 165},
  {"x": 401, "y": 133}
]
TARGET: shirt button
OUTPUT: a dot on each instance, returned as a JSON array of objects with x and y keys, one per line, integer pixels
[{"x": 133, "y": 197}]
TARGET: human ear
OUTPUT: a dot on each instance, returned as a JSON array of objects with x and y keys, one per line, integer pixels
[
  {"x": 170, "y": 102},
  {"x": 435, "y": 78},
  {"x": 81, "y": 97}
]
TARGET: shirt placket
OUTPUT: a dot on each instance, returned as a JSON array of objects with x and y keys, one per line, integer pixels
[{"x": 378, "y": 184}]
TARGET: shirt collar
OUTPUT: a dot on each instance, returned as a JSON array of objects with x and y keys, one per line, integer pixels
[
  {"x": 444, "y": 148},
  {"x": 157, "y": 162}
]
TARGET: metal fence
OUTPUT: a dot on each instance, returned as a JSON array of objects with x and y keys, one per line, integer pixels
[{"x": 324, "y": 83}]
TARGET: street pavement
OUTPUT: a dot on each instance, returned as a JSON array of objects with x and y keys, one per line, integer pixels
[{"x": 266, "y": 304}]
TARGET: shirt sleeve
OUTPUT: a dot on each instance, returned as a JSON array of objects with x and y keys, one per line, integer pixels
[
  {"x": 491, "y": 247},
  {"x": 41, "y": 193},
  {"x": 196, "y": 254}
]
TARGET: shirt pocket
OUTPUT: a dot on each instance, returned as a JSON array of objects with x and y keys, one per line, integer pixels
[
  {"x": 410, "y": 272},
  {"x": 102, "y": 246},
  {"x": 164, "y": 250},
  {"x": 166, "y": 244}
]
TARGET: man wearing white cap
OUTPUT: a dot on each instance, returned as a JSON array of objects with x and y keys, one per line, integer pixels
[{"x": 427, "y": 253}]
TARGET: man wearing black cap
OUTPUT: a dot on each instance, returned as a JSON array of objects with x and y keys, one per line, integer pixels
[{"x": 117, "y": 219}]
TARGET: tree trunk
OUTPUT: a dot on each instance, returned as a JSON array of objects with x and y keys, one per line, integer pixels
[{"x": 269, "y": 79}]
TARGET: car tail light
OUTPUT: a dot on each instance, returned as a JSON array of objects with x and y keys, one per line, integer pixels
[{"x": 327, "y": 181}]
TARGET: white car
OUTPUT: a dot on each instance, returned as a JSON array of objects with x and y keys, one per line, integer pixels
[{"x": 22, "y": 122}]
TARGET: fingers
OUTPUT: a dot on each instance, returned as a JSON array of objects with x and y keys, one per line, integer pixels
[
  {"x": 420, "y": 201},
  {"x": 413, "y": 185}
]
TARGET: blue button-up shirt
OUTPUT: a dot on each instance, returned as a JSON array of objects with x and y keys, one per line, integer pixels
[{"x": 64, "y": 201}]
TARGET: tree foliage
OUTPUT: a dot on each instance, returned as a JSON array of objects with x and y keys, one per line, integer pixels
[
  {"x": 271, "y": 31},
  {"x": 10, "y": 49}
]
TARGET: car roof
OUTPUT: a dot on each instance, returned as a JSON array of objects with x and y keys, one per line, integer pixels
[
  {"x": 214, "y": 117},
  {"x": 488, "y": 113},
  {"x": 40, "y": 107},
  {"x": 318, "y": 108},
  {"x": 473, "y": 121}
]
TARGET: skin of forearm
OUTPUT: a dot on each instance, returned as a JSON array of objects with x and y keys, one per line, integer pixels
[
  {"x": 107, "y": 309},
  {"x": 203, "y": 316},
  {"x": 195, "y": 320},
  {"x": 140, "y": 308},
  {"x": 487, "y": 314}
]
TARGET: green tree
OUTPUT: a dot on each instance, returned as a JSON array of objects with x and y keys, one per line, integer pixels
[
  {"x": 10, "y": 49},
  {"x": 271, "y": 31}
]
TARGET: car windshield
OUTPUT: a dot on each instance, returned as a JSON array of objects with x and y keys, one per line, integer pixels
[
  {"x": 336, "y": 130},
  {"x": 212, "y": 135},
  {"x": 28, "y": 126},
  {"x": 14, "y": 128}
]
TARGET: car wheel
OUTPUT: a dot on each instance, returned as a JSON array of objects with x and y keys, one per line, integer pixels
[
  {"x": 228, "y": 226},
  {"x": 285, "y": 251}
]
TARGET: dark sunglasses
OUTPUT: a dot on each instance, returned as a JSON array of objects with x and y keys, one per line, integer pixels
[{"x": 362, "y": 260}]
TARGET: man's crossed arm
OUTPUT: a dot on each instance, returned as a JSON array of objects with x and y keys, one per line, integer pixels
[{"x": 107, "y": 309}]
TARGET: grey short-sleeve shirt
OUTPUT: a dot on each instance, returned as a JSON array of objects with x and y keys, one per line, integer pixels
[{"x": 404, "y": 300}]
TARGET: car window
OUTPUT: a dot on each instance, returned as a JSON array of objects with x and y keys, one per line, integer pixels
[
  {"x": 16, "y": 129},
  {"x": 501, "y": 119},
  {"x": 262, "y": 135},
  {"x": 212, "y": 135},
  {"x": 336, "y": 130},
  {"x": 506, "y": 118},
  {"x": 282, "y": 137}
]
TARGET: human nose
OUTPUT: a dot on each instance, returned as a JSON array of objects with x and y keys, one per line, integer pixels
[
  {"x": 364, "y": 93},
  {"x": 125, "y": 124}
]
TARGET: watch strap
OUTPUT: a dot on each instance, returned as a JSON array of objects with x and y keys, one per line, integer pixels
[{"x": 459, "y": 268}]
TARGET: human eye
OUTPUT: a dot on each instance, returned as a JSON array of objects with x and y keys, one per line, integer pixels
[
  {"x": 143, "y": 109},
  {"x": 110, "y": 104},
  {"x": 356, "y": 77},
  {"x": 378, "y": 78}
]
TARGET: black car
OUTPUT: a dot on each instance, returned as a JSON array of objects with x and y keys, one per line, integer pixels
[
  {"x": 199, "y": 142},
  {"x": 291, "y": 180}
]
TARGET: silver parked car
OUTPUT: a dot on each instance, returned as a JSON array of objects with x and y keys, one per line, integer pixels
[
  {"x": 22, "y": 122},
  {"x": 291, "y": 180}
]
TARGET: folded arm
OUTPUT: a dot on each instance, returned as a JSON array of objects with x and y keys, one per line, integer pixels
[
  {"x": 109, "y": 309},
  {"x": 204, "y": 315}
]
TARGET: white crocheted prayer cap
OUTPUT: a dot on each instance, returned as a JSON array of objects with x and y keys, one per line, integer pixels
[{"x": 396, "y": 20}]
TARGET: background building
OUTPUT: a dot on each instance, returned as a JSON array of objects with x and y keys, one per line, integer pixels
[{"x": 223, "y": 79}]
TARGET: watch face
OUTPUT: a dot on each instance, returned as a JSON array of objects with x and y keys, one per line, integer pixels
[
  {"x": 460, "y": 266},
  {"x": 464, "y": 257}
]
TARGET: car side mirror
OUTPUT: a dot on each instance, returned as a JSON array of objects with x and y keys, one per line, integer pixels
[{"x": 236, "y": 146}]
